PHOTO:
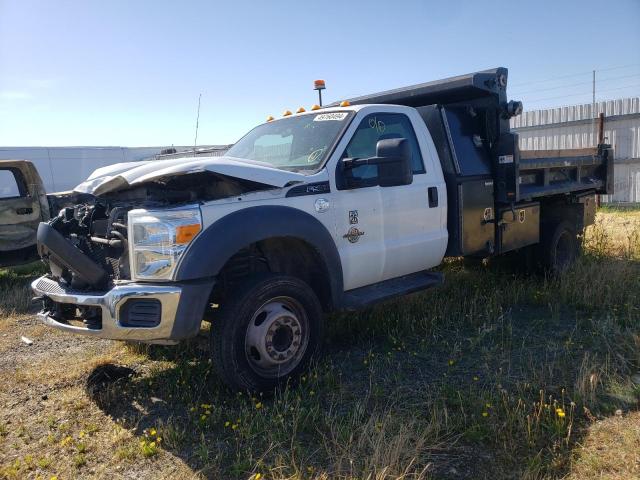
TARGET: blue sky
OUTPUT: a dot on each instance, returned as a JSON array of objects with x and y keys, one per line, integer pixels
[{"x": 129, "y": 72}]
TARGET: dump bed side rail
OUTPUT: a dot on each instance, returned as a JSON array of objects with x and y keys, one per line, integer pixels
[{"x": 544, "y": 173}]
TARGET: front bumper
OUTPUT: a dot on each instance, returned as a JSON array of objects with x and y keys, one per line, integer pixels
[{"x": 181, "y": 309}]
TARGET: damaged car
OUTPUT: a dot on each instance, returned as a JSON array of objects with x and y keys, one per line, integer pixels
[{"x": 23, "y": 205}]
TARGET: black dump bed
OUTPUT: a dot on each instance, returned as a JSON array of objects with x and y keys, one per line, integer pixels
[{"x": 495, "y": 191}]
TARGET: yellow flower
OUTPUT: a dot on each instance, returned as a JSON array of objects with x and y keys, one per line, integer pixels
[
  {"x": 159, "y": 439},
  {"x": 259, "y": 405},
  {"x": 488, "y": 405},
  {"x": 152, "y": 432},
  {"x": 203, "y": 417},
  {"x": 451, "y": 362},
  {"x": 560, "y": 412},
  {"x": 226, "y": 424},
  {"x": 475, "y": 379},
  {"x": 312, "y": 393},
  {"x": 234, "y": 426},
  {"x": 256, "y": 476},
  {"x": 485, "y": 414}
]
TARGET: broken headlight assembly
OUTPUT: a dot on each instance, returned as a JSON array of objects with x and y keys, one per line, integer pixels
[{"x": 157, "y": 240}]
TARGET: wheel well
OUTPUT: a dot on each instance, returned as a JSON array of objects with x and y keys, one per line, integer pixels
[{"x": 285, "y": 255}]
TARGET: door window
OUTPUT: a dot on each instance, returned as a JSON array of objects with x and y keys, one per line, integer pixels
[
  {"x": 375, "y": 127},
  {"x": 8, "y": 184}
]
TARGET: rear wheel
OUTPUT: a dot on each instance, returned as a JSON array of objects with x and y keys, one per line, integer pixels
[
  {"x": 560, "y": 247},
  {"x": 266, "y": 332}
]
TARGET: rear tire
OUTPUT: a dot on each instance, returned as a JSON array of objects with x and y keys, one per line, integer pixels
[
  {"x": 266, "y": 332},
  {"x": 560, "y": 247}
]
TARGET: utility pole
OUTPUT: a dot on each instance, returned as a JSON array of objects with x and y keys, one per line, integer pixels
[
  {"x": 593, "y": 107},
  {"x": 195, "y": 140}
]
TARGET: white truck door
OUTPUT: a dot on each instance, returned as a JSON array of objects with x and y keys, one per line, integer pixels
[
  {"x": 408, "y": 219},
  {"x": 359, "y": 233},
  {"x": 414, "y": 225}
]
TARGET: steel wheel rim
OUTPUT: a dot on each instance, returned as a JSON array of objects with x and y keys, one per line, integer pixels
[{"x": 277, "y": 337}]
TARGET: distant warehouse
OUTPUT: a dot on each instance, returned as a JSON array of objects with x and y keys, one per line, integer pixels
[
  {"x": 62, "y": 168},
  {"x": 576, "y": 126}
]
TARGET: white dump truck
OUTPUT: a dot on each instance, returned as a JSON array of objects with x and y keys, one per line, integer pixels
[{"x": 335, "y": 208}]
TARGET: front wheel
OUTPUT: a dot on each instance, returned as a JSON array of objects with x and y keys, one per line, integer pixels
[{"x": 266, "y": 332}]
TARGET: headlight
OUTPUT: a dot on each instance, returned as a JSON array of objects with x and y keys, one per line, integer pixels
[{"x": 157, "y": 239}]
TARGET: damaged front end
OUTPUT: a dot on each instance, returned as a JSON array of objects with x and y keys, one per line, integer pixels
[{"x": 112, "y": 259}]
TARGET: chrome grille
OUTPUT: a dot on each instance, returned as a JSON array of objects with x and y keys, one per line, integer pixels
[{"x": 49, "y": 286}]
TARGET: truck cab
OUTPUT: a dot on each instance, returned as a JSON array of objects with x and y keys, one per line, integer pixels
[
  {"x": 384, "y": 225},
  {"x": 332, "y": 209}
]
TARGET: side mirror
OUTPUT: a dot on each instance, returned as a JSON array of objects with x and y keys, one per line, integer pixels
[
  {"x": 396, "y": 167},
  {"x": 393, "y": 159}
]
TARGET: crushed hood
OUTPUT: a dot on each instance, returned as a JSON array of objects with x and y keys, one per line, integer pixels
[{"x": 124, "y": 175}]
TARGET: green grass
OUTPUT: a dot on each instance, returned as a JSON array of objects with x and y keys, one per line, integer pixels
[
  {"x": 497, "y": 374},
  {"x": 14, "y": 285}
]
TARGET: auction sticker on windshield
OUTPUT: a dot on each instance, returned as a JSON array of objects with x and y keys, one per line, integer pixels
[{"x": 323, "y": 117}]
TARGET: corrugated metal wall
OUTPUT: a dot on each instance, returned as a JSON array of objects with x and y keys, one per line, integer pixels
[
  {"x": 62, "y": 168},
  {"x": 574, "y": 127}
]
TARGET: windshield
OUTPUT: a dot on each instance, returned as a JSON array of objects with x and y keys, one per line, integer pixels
[{"x": 298, "y": 144}]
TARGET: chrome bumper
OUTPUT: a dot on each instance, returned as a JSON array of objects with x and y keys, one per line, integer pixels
[{"x": 110, "y": 304}]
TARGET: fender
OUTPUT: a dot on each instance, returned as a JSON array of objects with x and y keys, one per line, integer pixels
[{"x": 212, "y": 248}]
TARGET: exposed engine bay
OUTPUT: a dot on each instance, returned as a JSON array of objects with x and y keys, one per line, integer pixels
[{"x": 86, "y": 244}]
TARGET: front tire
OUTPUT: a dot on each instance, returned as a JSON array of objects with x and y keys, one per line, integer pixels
[{"x": 265, "y": 332}]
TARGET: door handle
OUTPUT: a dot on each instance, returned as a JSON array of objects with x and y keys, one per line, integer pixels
[{"x": 433, "y": 196}]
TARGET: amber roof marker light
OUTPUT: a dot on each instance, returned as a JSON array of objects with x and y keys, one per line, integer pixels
[{"x": 319, "y": 85}]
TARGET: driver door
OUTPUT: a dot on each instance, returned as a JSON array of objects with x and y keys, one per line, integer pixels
[{"x": 382, "y": 232}]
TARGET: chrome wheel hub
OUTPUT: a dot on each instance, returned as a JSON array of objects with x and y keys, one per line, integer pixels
[{"x": 276, "y": 337}]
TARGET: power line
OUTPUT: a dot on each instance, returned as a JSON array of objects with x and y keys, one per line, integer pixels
[
  {"x": 578, "y": 83},
  {"x": 575, "y": 74},
  {"x": 583, "y": 93}
]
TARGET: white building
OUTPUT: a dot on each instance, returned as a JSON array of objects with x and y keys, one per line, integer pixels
[
  {"x": 576, "y": 126},
  {"x": 62, "y": 168}
]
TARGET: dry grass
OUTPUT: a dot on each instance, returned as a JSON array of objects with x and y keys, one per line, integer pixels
[
  {"x": 610, "y": 450},
  {"x": 495, "y": 375}
]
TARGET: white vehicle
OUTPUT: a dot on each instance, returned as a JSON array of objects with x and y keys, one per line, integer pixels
[{"x": 336, "y": 208}]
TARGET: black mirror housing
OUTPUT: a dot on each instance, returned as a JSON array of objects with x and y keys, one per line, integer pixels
[
  {"x": 395, "y": 167},
  {"x": 393, "y": 159}
]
